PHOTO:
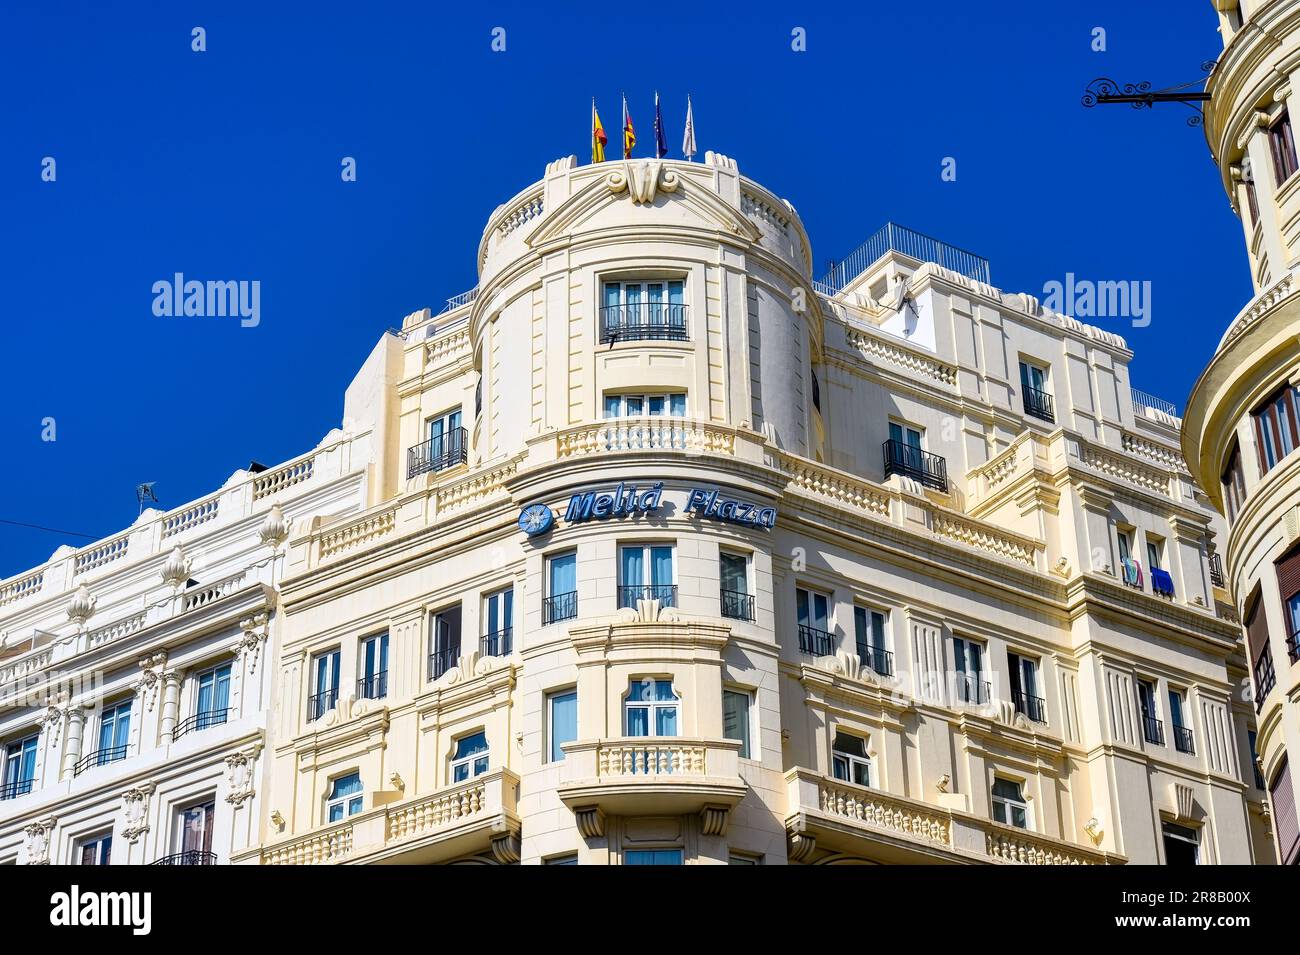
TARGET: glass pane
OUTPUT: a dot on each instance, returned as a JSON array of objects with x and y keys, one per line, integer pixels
[
  {"x": 732, "y": 570},
  {"x": 801, "y": 603},
  {"x": 633, "y": 570},
  {"x": 1006, "y": 789},
  {"x": 471, "y": 745},
  {"x": 999, "y": 812},
  {"x": 633, "y": 405},
  {"x": 638, "y": 721},
  {"x": 661, "y": 566},
  {"x": 564, "y": 721},
  {"x": 613, "y": 406},
  {"x": 655, "y": 405},
  {"x": 564, "y": 574},
  {"x": 1018, "y": 817},
  {"x": 666, "y": 721},
  {"x": 735, "y": 719},
  {"x": 346, "y": 786},
  {"x": 612, "y": 292},
  {"x": 354, "y": 806},
  {"x": 206, "y": 686},
  {"x": 819, "y": 611},
  {"x": 460, "y": 773},
  {"x": 480, "y": 766},
  {"x": 678, "y": 409},
  {"x": 862, "y": 774},
  {"x": 664, "y": 690},
  {"x": 840, "y": 767},
  {"x": 851, "y": 745},
  {"x": 895, "y": 432}
]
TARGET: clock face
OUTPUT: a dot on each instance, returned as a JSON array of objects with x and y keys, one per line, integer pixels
[{"x": 535, "y": 519}]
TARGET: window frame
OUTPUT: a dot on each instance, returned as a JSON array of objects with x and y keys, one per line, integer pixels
[
  {"x": 1275, "y": 438},
  {"x": 345, "y": 801},
  {"x": 1281, "y": 146},
  {"x": 851, "y": 761},
  {"x": 1010, "y": 805},
  {"x": 746, "y": 736},
  {"x": 1194, "y": 839},
  {"x": 653, "y": 707},
  {"x": 553, "y": 744},
  {"x": 102, "y": 845},
  {"x": 373, "y": 679},
  {"x": 333, "y": 658},
  {"x": 16, "y": 753},
  {"x": 645, "y": 398},
  {"x": 470, "y": 761}
]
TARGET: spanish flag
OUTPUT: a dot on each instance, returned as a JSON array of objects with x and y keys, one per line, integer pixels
[
  {"x": 629, "y": 135},
  {"x": 598, "y": 137}
]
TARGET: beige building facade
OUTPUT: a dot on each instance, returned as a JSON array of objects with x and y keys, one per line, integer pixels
[{"x": 1243, "y": 415}]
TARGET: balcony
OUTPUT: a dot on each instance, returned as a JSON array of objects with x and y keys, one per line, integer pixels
[
  {"x": 1265, "y": 677},
  {"x": 971, "y": 690},
  {"x": 737, "y": 605},
  {"x": 666, "y": 594},
  {"x": 318, "y": 704},
  {"x": 643, "y": 321},
  {"x": 817, "y": 643},
  {"x": 1038, "y": 404},
  {"x": 1216, "y": 571},
  {"x": 633, "y": 776},
  {"x": 1183, "y": 739},
  {"x": 438, "y": 453},
  {"x": 879, "y": 660},
  {"x": 915, "y": 245},
  {"x": 16, "y": 788},
  {"x": 1293, "y": 645},
  {"x": 560, "y": 607},
  {"x": 498, "y": 644},
  {"x": 1033, "y": 707},
  {"x": 100, "y": 757},
  {"x": 910, "y": 461},
  {"x": 443, "y": 659},
  {"x": 469, "y": 818},
  {"x": 200, "y": 721},
  {"x": 188, "y": 857},
  {"x": 1153, "y": 730},
  {"x": 373, "y": 687},
  {"x": 831, "y": 818}
]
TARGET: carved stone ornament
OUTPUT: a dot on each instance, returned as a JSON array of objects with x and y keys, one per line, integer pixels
[
  {"x": 36, "y": 841},
  {"x": 642, "y": 180},
  {"x": 241, "y": 774},
  {"x": 250, "y": 642},
  {"x": 151, "y": 675},
  {"x": 135, "y": 812},
  {"x": 590, "y": 821},
  {"x": 80, "y": 607},
  {"x": 176, "y": 569},
  {"x": 275, "y": 528}
]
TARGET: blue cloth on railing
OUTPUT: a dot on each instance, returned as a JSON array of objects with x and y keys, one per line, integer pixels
[{"x": 1161, "y": 582}]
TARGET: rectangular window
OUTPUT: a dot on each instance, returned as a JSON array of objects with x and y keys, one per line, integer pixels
[
  {"x": 1234, "y": 483},
  {"x": 1023, "y": 673},
  {"x": 968, "y": 659},
  {"x": 325, "y": 681},
  {"x": 669, "y": 405},
  {"x": 743, "y": 858},
  {"x": 196, "y": 829},
  {"x": 1252, "y": 195},
  {"x": 211, "y": 703},
  {"x": 1275, "y": 428},
  {"x": 1182, "y": 845},
  {"x": 812, "y": 617},
  {"x": 470, "y": 758},
  {"x": 19, "y": 767},
  {"x": 651, "y": 708},
  {"x": 114, "y": 733},
  {"x": 735, "y": 718},
  {"x": 562, "y": 714},
  {"x": 499, "y": 623},
  {"x": 1281, "y": 143},
  {"x": 869, "y": 634},
  {"x": 653, "y": 309},
  {"x": 570, "y": 859},
  {"x": 652, "y": 857},
  {"x": 1251, "y": 737},
  {"x": 346, "y": 798},
  {"x": 445, "y": 446},
  {"x": 444, "y": 641},
  {"x": 1161, "y": 581},
  {"x": 1153, "y": 730},
  {"x": 1183, "y": 741},
  {"x": 373, "y": 684},
  {"x": 646, "y": 573},
  {"x": 1033, "y": 386},
  {"x": 95, "y": 851},
  {"x": 905, "y": 454},
  {"x": 1009, "y": 805},
  {"x": 849, "y": 760},
  {"x": 733, "y": 573},
  {"x": 561, "y": 600}
]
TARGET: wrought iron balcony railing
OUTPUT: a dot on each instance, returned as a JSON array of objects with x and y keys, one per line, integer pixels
[
  {"x": 1265, "y": 677},
  {"x": 1153, "y": 730},
  {"x": 879, "y": 660},
  {"x": 910, "y": 461},
  {"x": 188, "y": 857},
  {"x": 1034, "y": 707},
  {"x": 15, "y": 788},
  {"x": 442, "y": 660},
  {"x": 737, "y": 605},
  {"x": 1216, "y": 570},
  {"x": 666, "y": 594},
  {"x": 560, "y": 607},
  {"x": 439, "y": 453},
  {"x": 972, "y": 690},
  {"x": 498, "y": 644},
  {"x": 318, "y": 704},
  {"x": 100, "y": 757},
  {"x": 1293, "y": 645},
  {"x": 1039, "y": 404},
  {"x": 1183, "y": 739},
  {"x": 819, "y": 643},
  {"x": 643, "y": 321},
  {"x": 373, "y": 687},
  {"x": 201, "y": 721}
]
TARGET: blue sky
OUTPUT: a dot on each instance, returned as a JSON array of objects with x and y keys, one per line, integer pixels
[{"x": 225, "y": 165}]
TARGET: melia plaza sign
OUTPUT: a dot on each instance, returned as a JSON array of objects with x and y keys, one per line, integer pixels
[{"x": 627, "y": 500}]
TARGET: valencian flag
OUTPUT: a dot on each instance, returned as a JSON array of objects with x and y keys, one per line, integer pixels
[
  {"x": 661, "y": 143},
  {"x": 598, "y": 137},
  {"x": 629, "y": 135}
]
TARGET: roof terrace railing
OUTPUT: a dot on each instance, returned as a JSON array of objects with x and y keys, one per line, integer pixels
[{"x": 909, "y": 242}]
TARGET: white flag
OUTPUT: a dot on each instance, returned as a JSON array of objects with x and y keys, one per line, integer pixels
[{"x": 688, "y": 140}]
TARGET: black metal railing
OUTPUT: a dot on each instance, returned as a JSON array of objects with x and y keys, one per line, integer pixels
[
  {"x": 819, "y": 643},
  {"x": 1153, "y": 730},
  {"x": 643, "y": 321},
  {"x": 880, "y": 660},
  {"x": 971, "y": 690},
  {"x": 442, "y": 660},
  {"x": 1265, "y": 678},
  {"x": 1039, "y": 404},
  {"x": 188, "y": 857},
  {"x": 318, "y": 704},
  {"x": 560, "y": 607},
  {"x": 373, "y": 687},
  {"x": 1034, "y": 707},
  {"x": 15, "y": 788},
  {"x": 1216, "y": 570},
  {"x": 500, "y": 643},
  {"x": 629, "y": 594},
  {"x": 1293, "y": 645},
  {"x": 201, "y": 721},
  {"x": 1183, "y": 739},
  {"x": 737, "y": 605},
  {"x": 445, "y": 451},
  {"x": 910, "y": 461},
  {"x": 100, "y": 757}
]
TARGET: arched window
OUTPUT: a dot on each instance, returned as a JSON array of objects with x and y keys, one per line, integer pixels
[
  {"x": 651, "y": 708},
  {"x": 345, "y": 798}
]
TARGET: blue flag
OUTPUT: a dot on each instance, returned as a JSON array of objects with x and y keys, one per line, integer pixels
[{"x": 661, "y": 143}]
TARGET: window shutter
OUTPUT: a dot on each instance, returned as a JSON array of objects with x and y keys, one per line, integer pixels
[
  {"x": 1288, "y": 574},
  {"x": 1256, "y": 630},
  {"x": 1288, "y": 830}
]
